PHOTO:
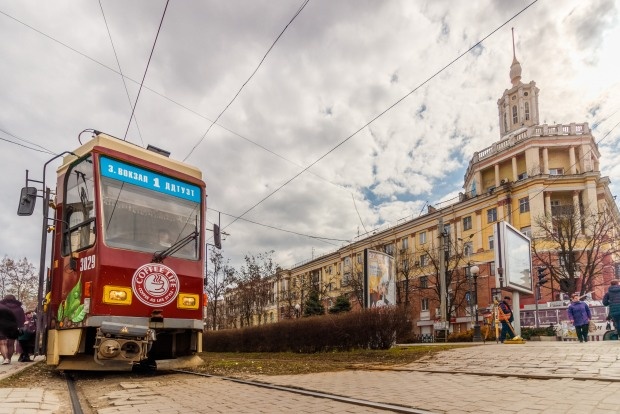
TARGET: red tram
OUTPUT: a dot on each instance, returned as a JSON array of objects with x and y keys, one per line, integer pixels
[{"x": 125, "y": 284}]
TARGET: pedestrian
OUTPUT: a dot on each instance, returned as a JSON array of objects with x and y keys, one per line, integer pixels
[
  {"x": 579, "y": 315},
  {"x": 506, "y": 318},
  {"x": 11, "y": 325},
  {"x": 27, "y": 336},
  {"x": 612, "y": 299}
]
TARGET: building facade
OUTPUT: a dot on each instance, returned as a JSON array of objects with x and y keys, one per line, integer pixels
[{"x": 525, "y": 178}]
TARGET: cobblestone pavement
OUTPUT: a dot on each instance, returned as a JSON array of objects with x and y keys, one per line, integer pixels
[{"x": 535, "y": 377}]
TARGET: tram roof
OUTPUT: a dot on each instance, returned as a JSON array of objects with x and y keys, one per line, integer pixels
[{"x": 107, "y": 141}]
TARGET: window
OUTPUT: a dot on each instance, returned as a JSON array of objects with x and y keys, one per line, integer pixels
[
  {"x": 423, "y": 260},
  {"x": 423, "y": 237},
  {"x": 424, "y": 304},
  {"x": 468, "y": 248},
  {"x": 524, "y": 205},
  {"x": 527, "y": 111},
  {"x": 527, "y": 231},
  {"x": 505, "y": 123},
  {"x": 404, "y": 243},
  {"x": 556, "y": 171},
  {"x": 389, "y": 249},
  {"x": 491, "y": 241},
  {"x": 467, "y": 223},
  {"x": 347, "y": 262},
  {"x": 514, "y": 114},
  {"x": 359, "y": 258},
  {"x": 491, "y": 215},
  {"x": 405, "y": 265},
  {"x": 141, "y": 218},
  {"x": 424, "y": 282},
  {"x": 79, "y": 208}
]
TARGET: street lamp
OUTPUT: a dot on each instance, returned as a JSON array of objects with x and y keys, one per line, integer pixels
[{"x": 475, "y": 270}]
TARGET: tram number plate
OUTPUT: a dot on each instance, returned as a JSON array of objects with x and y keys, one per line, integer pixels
[{"x": 87, "y": 263}]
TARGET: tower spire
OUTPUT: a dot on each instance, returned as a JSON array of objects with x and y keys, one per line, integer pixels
[{"x": 515, "y": 68}]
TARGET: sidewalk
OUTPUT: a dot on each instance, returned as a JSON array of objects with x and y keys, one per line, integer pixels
[
  {"x": 25, "y": 400},
  {"x": 14, "y": 367}
]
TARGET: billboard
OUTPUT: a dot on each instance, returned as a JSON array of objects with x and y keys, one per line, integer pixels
[
  {"x": 379, "y": 279},
  {"x": 513, "y": 255}
]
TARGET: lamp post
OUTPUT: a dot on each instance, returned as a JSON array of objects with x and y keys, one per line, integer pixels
[{"x": 475, "y": 270}]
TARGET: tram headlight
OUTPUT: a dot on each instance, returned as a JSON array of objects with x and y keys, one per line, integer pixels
[
  {"x": 117, "y": 295},
  {"x": 187, "y": 301}
]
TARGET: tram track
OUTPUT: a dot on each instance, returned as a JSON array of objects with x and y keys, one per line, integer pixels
[
  {"x": 76, "y": 406},
  {"x": 316, "y": 394}
]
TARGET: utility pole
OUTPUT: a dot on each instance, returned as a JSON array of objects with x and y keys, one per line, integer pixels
[{"x": 442, "y": 278}]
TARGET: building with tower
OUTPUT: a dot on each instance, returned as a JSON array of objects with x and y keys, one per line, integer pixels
[{"x": 544, "y": 180}]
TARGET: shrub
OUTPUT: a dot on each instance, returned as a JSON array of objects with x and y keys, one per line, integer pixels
[{"x": 367, "y": 329}]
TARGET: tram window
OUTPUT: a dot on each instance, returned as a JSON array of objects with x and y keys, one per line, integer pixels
[
  {"x": 134, "y": 218},
  {"x": 79, "y": 211}
]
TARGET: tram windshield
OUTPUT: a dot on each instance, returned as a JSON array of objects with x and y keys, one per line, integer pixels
[{"x": 147, "y": 211}]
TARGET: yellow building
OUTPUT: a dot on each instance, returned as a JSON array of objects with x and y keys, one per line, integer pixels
[{"x": 531, "y": 170}]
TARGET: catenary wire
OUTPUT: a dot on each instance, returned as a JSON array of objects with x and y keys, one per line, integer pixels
[
  {"x": 281, "y": 229},
  {"x": 118, "y": 64},
  {"x": 147, "y": 68},
  {"x": 43, "y": 149},
  {"x": 303, "y": 5},
  {"x": 342, "y": 142},
  {"x": 161, "y": 95}
]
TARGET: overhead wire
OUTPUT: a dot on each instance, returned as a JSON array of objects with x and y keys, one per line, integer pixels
[
  {"x": 118, "y": 63},
  {"x": 281, "y": 229},
  {"x": 42, "y": 148},
  {"x": 342, "y": 142},
  {"x": 144, "y": 86},
  {"x": 303, "y": 5},
  {"x": 147, "y": 68}
]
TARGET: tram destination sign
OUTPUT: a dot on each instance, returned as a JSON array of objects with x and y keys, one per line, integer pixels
[{"x": 140, "y": 177}]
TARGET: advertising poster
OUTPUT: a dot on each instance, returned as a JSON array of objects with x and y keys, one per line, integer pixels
[{"x": 381, "y": 283}]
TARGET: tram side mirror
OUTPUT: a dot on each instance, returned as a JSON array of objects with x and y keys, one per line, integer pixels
[
  {"x": 217, "y": 237},
  {"x": 27, "y": 201}
]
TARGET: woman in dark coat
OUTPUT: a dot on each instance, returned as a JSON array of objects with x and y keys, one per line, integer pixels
[{"x": 11, "y": 318}]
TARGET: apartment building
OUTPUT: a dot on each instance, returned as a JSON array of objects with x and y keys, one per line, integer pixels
[{"x": 528, "y": 174}]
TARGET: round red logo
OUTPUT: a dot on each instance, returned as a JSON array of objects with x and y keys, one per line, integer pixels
[{"x": 155, "y": 284}]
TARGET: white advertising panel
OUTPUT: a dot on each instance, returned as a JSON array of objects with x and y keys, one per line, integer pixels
[{"x": 513, "y": 255}]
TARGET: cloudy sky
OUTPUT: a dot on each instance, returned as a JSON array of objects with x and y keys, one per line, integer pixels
[{"x": 362, "y": 92}]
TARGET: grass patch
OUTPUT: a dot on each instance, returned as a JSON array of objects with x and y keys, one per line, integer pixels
[{"x": 288, "y": 363}]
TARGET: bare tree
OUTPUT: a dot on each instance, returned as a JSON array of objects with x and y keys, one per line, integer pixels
[
  {"x": 575, "y": 245},
  {"x": 219, "y": 275},
  {"x": 20, "y": 278},
  {"x": 253, "y": 285},
  {"x": 456, "y": 281}
]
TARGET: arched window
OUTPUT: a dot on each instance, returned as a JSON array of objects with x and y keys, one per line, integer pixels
[
  {"x": 505, "y": 123},
  {"x": 527, "y": 111},
  {"x": 514, "y": 114}
]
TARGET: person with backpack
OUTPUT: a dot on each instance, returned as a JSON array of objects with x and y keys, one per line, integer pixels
[
  {"x": 9, "y": 325},
  {"x": 612, "y": 299},
  {"x": 506, "y": 318},
  {"x": 27, "y": 336}
]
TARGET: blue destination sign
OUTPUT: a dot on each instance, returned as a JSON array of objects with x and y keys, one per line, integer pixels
[{"x": 148, "y": 179}]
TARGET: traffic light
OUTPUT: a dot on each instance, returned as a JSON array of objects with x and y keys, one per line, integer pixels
[{"x": 542, "y": 276}]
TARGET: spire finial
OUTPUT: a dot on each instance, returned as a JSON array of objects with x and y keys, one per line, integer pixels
[{"x": 515, "y": 68}]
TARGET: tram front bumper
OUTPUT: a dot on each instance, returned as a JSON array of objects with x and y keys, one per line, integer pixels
[{"x": 122, "y": 342}]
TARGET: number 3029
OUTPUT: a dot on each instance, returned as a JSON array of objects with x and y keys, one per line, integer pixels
[{"x": 87, "y": 263}]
